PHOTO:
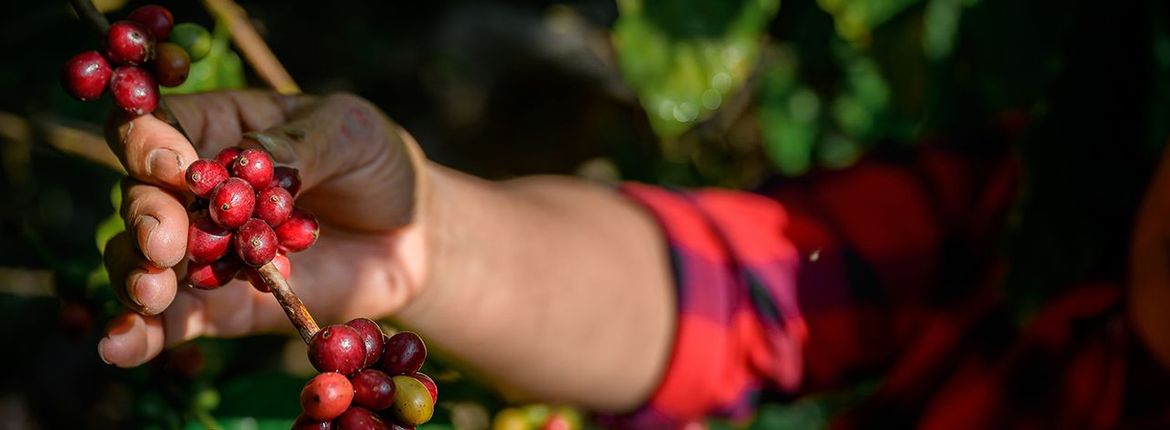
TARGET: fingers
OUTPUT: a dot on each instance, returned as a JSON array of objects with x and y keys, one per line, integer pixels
[
  {"x": 158, "y": 221},
  {"x": 156, "y": 153},
  {"x": 131, "y": 340},
  {"x": 137, "y": 283}
]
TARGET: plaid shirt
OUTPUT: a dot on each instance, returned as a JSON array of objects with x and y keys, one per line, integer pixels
[{"x": 886, "y": 270}]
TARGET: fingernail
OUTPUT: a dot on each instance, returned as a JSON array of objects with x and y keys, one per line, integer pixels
[
  {"x": 277, "y": 146},
  {"x": 165, "y": 164},
  {"x": 132, "y": 286},
  {"x": 294, "y": 133},
  {"x": 101, "y": 344},
  {"x": 144, "y": 228}
]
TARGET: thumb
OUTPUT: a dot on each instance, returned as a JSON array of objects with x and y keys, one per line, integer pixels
[
  {"x": 154, "y": 152},
  {"x": 358, "y": 168}
]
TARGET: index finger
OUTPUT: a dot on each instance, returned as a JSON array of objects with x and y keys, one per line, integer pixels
[{"x": 156, "y": 153}]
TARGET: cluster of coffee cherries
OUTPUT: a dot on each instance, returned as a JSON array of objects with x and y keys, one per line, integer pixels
[
  {"x": 243, "y": 218},
  {"x": 148, "y": 50},
  {"x": 369, "y": 381}
]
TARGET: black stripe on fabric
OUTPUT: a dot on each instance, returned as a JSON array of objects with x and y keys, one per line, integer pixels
[{"x": 757, "y": 293}]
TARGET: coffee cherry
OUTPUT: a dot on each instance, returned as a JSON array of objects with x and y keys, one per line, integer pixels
[
  {"x": 372, "y": 339},
  {"x": 405, "y": 353},
  {"x": 128, "y": 42},
  {"x": 412, "y": 403},
  {"x": 337, "y": 348},
  {"x": 193, "y": 38},
  {"x": 254, "y": 166},
  {"x": 209, "y": 276},
  {"x": 557, "y": 422},
  {"x": 86, "y": 75},
  {"x": 171, "y": 64},
  {"x": 207, "y": 241},
  {"x": 228, "y": 155},
  {"x": 511, "y": 419},
  {"x": 357, "y": 418},
  {"x": 232, "y": 203},
  {"x": 274, "y": 205},
  {"x": 304, "y": 422},
  {"x": 299, "y": 232},
  {"x": 326, "y": 396},
  {"x": 154, "y": 18},
  {"x": 252, "y": 275},
  {"x": 134, "y": 90},
  {"x": 373, "y": 389},
  {"x": 287, "y": 178},
  {"x": 255, "y": 243},
  {"x": 203, "y": 176},
  {"x": 429, "y": 383}
]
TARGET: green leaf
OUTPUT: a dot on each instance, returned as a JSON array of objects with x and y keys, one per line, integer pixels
[
  {"x": 856, "y": 19},
  {"x": 790, "y": 114},
  {"x": 683, "y": 58}
]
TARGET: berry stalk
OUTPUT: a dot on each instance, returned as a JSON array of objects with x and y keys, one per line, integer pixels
[
  {"x": 93, "y": 17},
  {"x": 297, "y": 314}
]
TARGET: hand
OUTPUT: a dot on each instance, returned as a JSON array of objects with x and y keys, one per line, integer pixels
[{"x": 361, "y": 178}]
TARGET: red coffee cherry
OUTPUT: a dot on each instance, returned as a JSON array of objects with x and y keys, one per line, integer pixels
[
  {"x": 128, "y": 42},
  {"x": 232, "y": 203},
  {"x": 405, "y": 354},
  {"x": 255, "y": 243},
  {"x": 299, "y": 232},
  {"x": 337, "y": 348},
  {"x": 86, "y": 75},
  {"x": 326, "y": 396},
  {"x": 429, "y": 383},
  {"x": 557, "y": 422},
  {"x": 207, "y": 241},
  {"x": 209, "y": 276},
  {"x": 357, "y": 418},
  {"x": 203, "y": 176},
  {"x": 134, "y": 90},
  {"x": 304, "y": 422},
  {"x": 372, "y": 339},
  {"x": 171, "y": 65},
  {"x": 253, "y": 275},
  {"x": 228, "y": 155},
  {"x": 373, "y": 389},
  {"x": 274, "y": 205},
  {"x": 156, "y": 19},
  {"x": 287, "y": 178},
  {"x": 254, "y": 166}
]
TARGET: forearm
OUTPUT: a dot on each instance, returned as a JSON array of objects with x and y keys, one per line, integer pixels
[{"x": 547, "y": 288}]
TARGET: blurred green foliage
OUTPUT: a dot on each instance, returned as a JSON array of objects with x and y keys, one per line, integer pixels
[{"x": 683, "y": 58}]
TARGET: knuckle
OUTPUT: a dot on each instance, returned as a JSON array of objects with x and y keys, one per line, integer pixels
[{"x": 347, "y": 100}]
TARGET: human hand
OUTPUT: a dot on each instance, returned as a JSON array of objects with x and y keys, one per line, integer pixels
[{"x": 361, "y": 177}]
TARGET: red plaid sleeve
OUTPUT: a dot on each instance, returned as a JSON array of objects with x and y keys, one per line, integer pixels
[
  {"x": 739, "y": 328},
  {"x": 817, "y": 282}
]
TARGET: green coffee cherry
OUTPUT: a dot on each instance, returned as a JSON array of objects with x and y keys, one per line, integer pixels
[{"x": 193, "y": 38}]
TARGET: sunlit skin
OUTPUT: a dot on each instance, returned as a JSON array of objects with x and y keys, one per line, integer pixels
[
  {"x": 1149, "y": 266},
  {"x": 544, "y": 287}
]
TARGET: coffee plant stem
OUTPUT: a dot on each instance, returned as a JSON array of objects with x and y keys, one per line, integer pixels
[
  {"x": 292, "y": 305},
  {"x": 91, "y": 15}
]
